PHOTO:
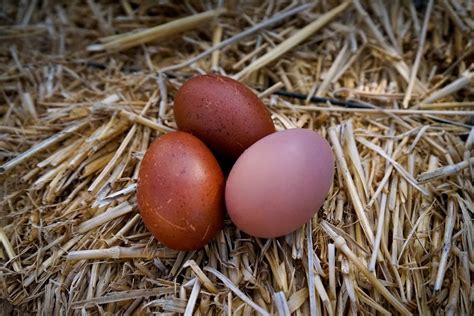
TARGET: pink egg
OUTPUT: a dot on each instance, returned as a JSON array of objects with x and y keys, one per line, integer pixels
[{"x": 279, "y": 183}]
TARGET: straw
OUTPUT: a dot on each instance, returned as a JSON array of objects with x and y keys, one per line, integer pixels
[
  {"x": 239, "y": 36},
  {"x": 445, "y": 171},
  {"x": 293, "y": 41},
  {"x": 42, "y": 146},
  {"x": 394, "y": 234},
  {"x": 129, "y": 40},
  {"x": 419, "y": 54}
]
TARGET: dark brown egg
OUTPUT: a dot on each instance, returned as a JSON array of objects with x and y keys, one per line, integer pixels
[
  {"x": 223, "y": 113},
  {"x": 180, "y": 191}
]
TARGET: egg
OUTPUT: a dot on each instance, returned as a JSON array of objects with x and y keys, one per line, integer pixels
[
  {"x": 279, "y": 183},
  {"x": 180, "y": 191},
  {"x": 223, "y": 113}
]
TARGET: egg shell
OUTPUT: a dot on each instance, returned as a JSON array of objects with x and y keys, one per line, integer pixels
[
  {"x": 180, "y": 191},
  {"x": 223, "y": 113},
  {"x": 279, "y": 183}
]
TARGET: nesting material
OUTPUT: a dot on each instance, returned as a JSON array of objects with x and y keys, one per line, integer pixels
[{"x": 85, "y": 88}]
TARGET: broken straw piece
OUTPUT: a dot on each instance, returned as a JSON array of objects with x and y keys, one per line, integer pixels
[
  {"x": 445, "y": 171},
  {"x": 132, "y": 39}
]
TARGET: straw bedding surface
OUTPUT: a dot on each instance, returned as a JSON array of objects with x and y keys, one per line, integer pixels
[{"x": 85, "y": 86}]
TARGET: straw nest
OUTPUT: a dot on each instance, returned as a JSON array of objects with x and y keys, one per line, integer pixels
[{"x": 86, "y": 86}]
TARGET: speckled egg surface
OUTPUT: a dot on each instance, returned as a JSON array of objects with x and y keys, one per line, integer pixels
[
  {"x": 225, "y": 114},
  {"x": 180, "y": 191},
  {"x": 279, "y": 183}
]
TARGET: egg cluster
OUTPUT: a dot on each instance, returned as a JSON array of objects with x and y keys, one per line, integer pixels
[{"x": 277, "y": 180}]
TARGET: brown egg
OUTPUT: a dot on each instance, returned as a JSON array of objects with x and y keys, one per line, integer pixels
[
  {"x": 223, "y": 113},
  {"x": 279, "y": 183},
  {"x": 180, "y": 191}
]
